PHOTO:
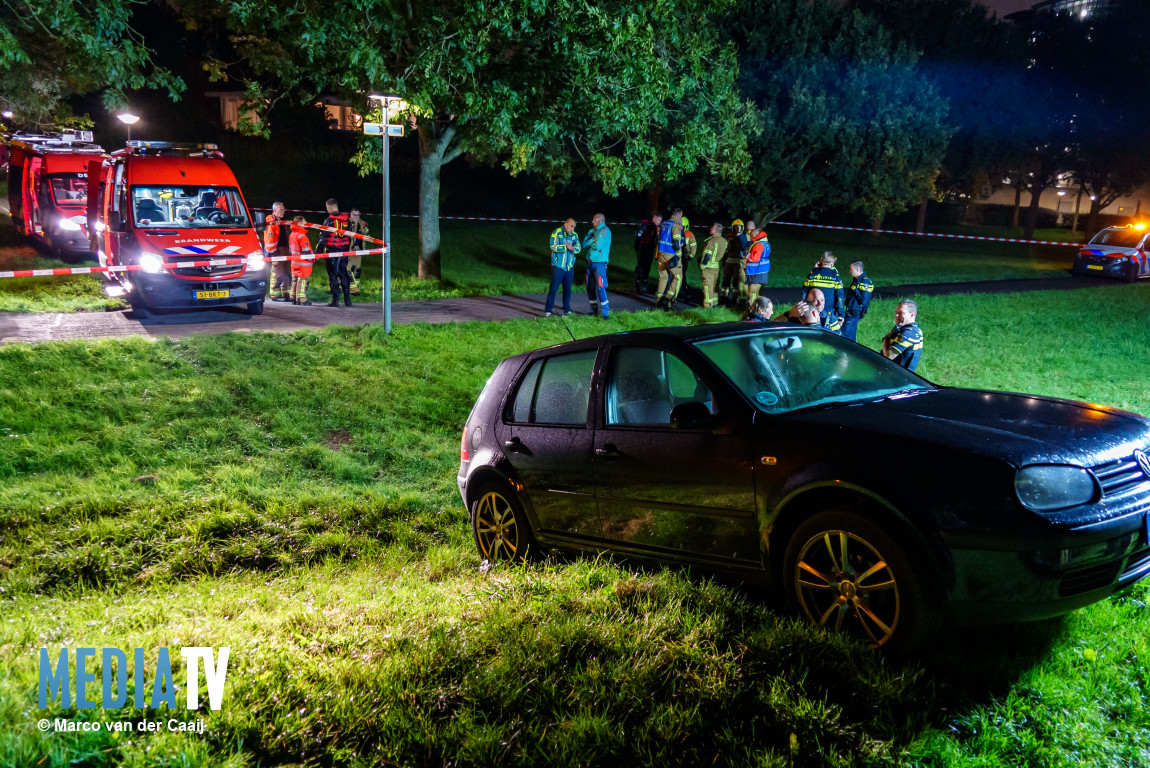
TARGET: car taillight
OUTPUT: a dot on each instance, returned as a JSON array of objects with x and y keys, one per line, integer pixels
[{"x": 463, "y": 455}]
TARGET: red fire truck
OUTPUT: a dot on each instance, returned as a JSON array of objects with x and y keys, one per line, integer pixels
[
  {"x": 48, "y": 187},
  {"x": 158, "y": 204}
]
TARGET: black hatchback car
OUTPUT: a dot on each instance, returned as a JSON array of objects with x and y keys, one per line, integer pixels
[{"x": 881, "y": 503}]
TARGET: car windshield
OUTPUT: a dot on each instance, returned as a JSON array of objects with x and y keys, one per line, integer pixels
[
  {"x": 783, "y": 372},
  {"x": 1118, "y": 238},
  {"x": 69, "y": 188},
  {"x": 189, "y": 207}
]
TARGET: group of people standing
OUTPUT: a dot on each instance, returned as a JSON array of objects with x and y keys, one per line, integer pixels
[
  {"x": 733, "y": 271},
  {"x": 288, "y": 280}
]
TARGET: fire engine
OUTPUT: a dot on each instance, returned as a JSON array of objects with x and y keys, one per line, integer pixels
[
  {"x": 48, "y": 187},
  {"x": 161, "y": 205}
]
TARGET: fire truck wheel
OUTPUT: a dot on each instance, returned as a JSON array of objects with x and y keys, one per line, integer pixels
[
  {"x": 256, "y": 307},
  {"x": 139, "y": 309}
]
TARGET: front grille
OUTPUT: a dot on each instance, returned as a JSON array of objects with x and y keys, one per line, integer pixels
[
  {"x": 1121, "y": 478},
  {"x": 215, "y": 273},
  {"x": 1089, "y": 579}
]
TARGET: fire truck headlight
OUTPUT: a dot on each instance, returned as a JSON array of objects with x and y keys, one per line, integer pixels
[
  {"x": 70, "y": 225},
  {"x": 256, "y": 261},
  {"x": 152, "y": 263}
]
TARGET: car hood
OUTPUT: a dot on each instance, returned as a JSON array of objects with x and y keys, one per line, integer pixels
[{"x": 1019, "y": 429}]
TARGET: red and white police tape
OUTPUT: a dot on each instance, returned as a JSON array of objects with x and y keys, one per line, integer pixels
[
  {"x": 171, "y": 265},
  {"x": 772, "y": 223}
]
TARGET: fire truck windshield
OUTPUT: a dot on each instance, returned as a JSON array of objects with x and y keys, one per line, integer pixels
[
  {"x": 69, "y": 188},
  {"x": 189, "y": 207}
]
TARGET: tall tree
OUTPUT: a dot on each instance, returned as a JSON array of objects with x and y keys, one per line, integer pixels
[
  {"x": 847, "y": 120},
  {"x": 539, "y": 84},
  {"x": 53, "y": 49}
]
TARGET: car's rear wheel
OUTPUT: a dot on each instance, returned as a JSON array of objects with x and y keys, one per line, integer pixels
[
  {"x": 500, "y": 526},
  {"x": 843, "y": 572}
]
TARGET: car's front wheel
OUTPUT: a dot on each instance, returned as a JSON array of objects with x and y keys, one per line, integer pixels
[
  {"x": 500, "y": 526},
  {"x": 842, "y": 571}
]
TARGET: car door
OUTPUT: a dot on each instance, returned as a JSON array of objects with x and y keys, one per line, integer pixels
[
  {"x": 672, "y": 490},
  {"x": 546, "y": 436}
]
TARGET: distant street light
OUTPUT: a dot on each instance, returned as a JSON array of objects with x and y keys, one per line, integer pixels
[
  {"x": 388, "y": 102},
  {"x": 128, "y": 119},
  {"x": 7, "y": 114}
]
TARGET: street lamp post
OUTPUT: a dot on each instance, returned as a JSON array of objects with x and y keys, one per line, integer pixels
[
  {"x": 386, "y": 100},
  {"x": 128, "y": 119}
]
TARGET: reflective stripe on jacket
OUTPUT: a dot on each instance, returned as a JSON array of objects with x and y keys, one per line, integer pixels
[
  {"x": 759, "y": 257},
  {"x": 563, "y": 249}
]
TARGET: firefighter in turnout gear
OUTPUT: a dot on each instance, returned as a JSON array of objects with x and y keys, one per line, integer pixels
[
  {"x": 358, "y": 226},
  {"x": 302, "y": 260},
  {"x": 826, "y": 277},
  {"x": 734, "y": 285},
  {"x": 714, "y": 249},
  {"x": 670, "y": 256},
  {"x": 277, "y": 231},
  {"x": 690, "y": 247},
  {"x": 857, "y": 300},
  {"x": 336, "y": 242},
  {"x": 597, "y": 243}
]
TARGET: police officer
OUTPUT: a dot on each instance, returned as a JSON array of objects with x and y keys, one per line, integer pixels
[
  {"x": 813, "y": 310},
  {"x": 857, "y": 300},
  {"x": 336, "y": 242},
  {"x": 758, "y": 263},
  {"x": 646, "y": 238},
  {"x": 714, "y": 249},
  {"x": 564, "y": 246},
  {"x": 825, "y": 276},
  {"x": 903, "y": 344},
  {"x": 598, "y": 246},
  {"x": 669, "y": 255},
  {"x": 277, "y": 233}
]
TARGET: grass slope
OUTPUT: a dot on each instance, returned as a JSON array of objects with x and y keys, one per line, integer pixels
[{"x": 293, "y": 497}]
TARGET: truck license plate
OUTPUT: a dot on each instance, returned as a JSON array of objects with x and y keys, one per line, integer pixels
[
  {"x": 213, "y": 294},
  {"x": 1094, "y": 266}
]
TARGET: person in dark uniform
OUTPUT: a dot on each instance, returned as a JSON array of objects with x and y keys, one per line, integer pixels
[
  {"x": 813, "y": 310},
  {"x": 336, "y": 242},
  {"x": 857, "y": 300},
  {"x": 646, "y": 240},
  {"x": 903, "y": 344},
  {"x": 825, "y": 276}
]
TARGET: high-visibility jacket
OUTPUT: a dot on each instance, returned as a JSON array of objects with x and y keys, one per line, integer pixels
[
  {"x": 759, "y": 255},
  {"x": 828, "y": 279},
  {"x": 301, "y": 255},
  {"x": 690, "y": 245},
  {"x": 275, "y": 233},
  {"x": 564, "y": 246},
  {"x": 714, "y": 249},
  {"x": 859, "y": 296},
  {"x": 335, "y": 242},
  {"x": 671, "y": 238},
  {"x": 359, "y": 228}
]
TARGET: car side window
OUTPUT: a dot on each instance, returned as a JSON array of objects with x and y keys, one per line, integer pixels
[
  {"x": 555, "y": 390},
  {"x": 646, "y": 383}
]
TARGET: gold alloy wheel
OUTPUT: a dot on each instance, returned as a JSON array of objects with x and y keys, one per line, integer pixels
[
  {"x": 496, "y": 530},
  {"x": 844, "y": 583}
]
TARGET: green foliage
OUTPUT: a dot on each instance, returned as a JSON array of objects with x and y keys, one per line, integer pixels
[
  {"x": 847, "y": 120},
  {"x": 52, "y": 49}
]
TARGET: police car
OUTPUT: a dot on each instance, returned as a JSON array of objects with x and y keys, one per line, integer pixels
[{"x": 1118, "y": 252}]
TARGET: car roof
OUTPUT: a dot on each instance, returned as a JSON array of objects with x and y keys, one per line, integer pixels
[{"x": 685, "y": 333}]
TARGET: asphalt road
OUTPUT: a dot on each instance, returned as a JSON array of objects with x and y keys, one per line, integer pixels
[{"x": 278, "y": 317}]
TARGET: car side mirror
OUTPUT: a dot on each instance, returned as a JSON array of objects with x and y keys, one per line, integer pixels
[{"x": 693, "y": 415}]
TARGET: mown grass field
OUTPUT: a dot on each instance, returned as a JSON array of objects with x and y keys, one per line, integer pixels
[
  {"x": 293, "y": 497},
  {"x": 489, "y": 258}
]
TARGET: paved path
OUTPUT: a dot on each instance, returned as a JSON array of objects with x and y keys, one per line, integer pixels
[{"x": 16, "y": 328}]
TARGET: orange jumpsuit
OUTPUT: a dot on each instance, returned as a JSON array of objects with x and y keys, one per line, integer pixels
[{"x": 301, "y": 263}]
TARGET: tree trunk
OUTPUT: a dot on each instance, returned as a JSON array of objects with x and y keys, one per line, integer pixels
[
  {"x": 1017, "y": 200},
  {"x": 876, "y": 223},
  {"x": 1032, "y": 211},
  {"x": 1077, "y": 208},
  {"x": 1092, "y": 218},
  {"x": 435, "y": 151},
  {"x": 654, "y": 193},
  {"x": 920, "y": 225}
]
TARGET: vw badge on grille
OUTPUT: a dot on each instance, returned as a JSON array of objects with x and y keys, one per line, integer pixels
[{"x": 1143, "y": 462}]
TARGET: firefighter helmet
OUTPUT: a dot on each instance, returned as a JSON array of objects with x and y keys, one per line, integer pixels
[{"x": 736, "y": 223}]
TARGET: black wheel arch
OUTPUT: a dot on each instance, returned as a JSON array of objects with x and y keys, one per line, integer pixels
[{"x": 803, "y": 503}]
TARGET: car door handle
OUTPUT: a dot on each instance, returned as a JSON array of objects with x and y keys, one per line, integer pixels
[{"x": 608, "y": 451}]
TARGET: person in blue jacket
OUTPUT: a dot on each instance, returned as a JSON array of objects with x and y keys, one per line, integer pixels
[
  {"x": 858, "y": 298},
  {"x": 597, "y": 244}
]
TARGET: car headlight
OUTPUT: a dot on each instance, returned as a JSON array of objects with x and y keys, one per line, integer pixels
[
  {"x": 152, "y": 263},
  {"x": 70, "y": 225},
  {"x": 256, "y": 261},
  {"x": 1047, "y": 487}
]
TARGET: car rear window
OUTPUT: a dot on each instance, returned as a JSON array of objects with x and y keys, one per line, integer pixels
[
  {"x": 1119, "y": 238},
  {"x": 555, "y": 390}
]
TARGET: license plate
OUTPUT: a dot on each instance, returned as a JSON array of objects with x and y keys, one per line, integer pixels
[
  {"x": 1094, "y": 266},
  {"x": 213, "y": 294}
]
